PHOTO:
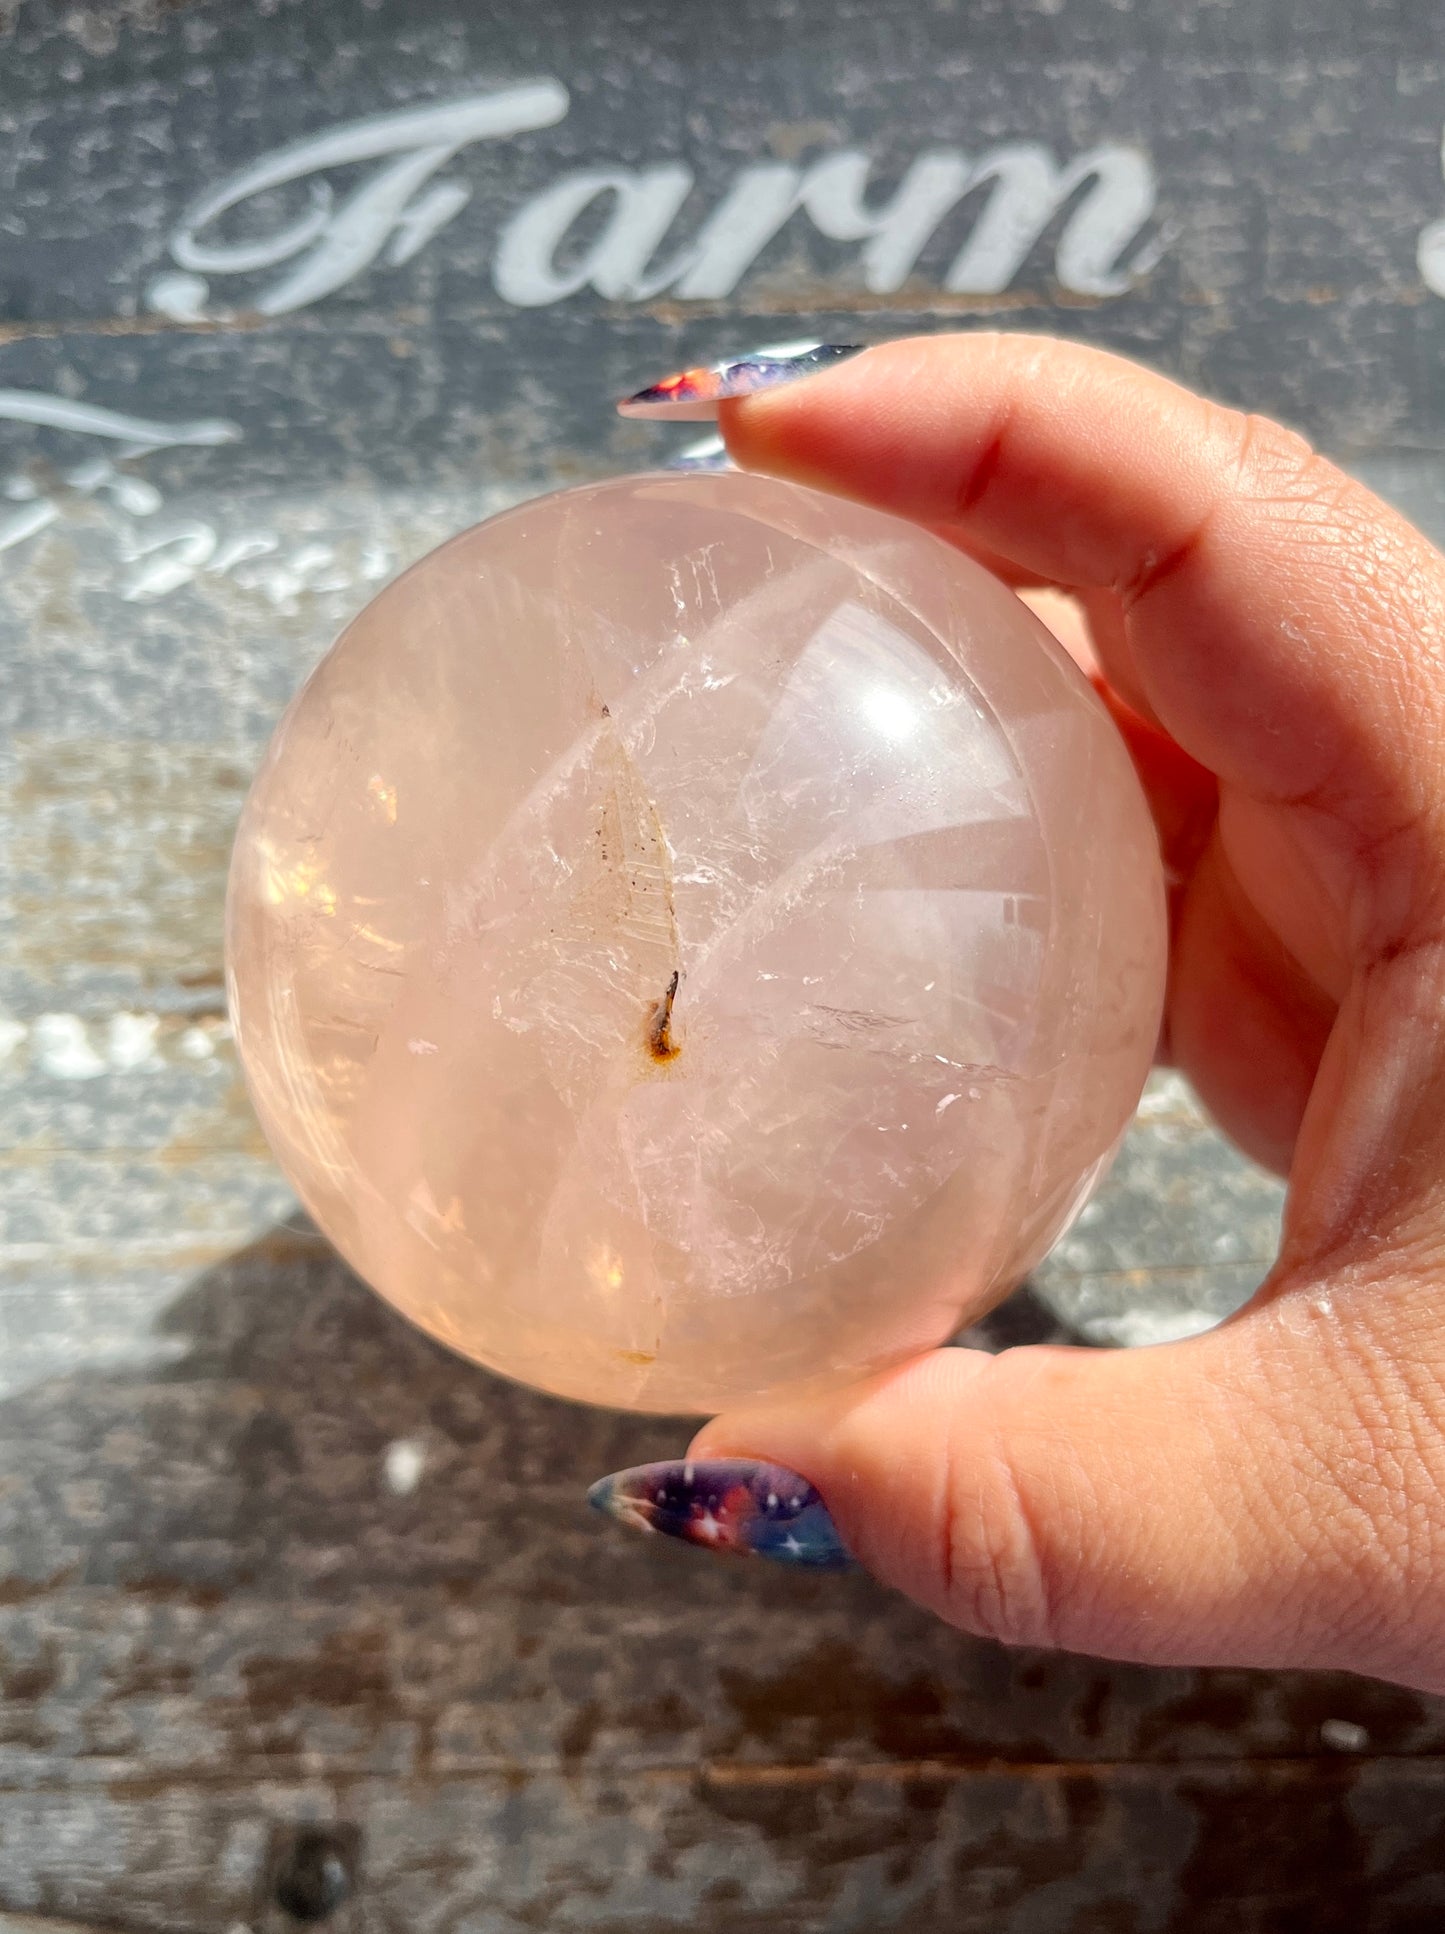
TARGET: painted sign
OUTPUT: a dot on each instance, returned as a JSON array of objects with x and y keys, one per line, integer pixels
[{"x": 1105, "y": 196}]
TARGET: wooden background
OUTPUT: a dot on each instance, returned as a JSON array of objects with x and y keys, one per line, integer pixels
[{"x": 299, "y": 1617}]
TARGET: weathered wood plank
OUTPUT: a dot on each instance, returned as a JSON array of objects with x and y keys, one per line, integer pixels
[
  {"x": 1287, "y": 184},
  {"x": 1205, "y": 1848},
  {"x": 225, "y": 1616},
  {"x": 298, "y": 1614}
]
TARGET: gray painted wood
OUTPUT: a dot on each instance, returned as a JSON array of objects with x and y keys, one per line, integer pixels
[{"x": 294, "y": 1608}]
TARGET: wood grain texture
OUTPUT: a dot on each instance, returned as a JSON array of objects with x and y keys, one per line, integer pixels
[
  {"x": 298, "y": 1615},
  {"x": 220, "y": 1621}
]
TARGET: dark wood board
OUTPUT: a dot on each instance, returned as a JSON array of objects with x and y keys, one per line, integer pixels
[{"x": 297, "y": 1613}]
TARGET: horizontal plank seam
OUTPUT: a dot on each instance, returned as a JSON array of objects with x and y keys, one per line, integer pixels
[{"x": 736, "y": 1774}]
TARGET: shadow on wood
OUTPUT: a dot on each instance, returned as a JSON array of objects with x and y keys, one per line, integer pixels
[{"x": 319, "y": 1572}]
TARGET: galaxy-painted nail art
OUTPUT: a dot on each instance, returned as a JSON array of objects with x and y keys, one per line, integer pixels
[
  {"x": 727, "y": 1504},
  {"x": 692, "y": 396}
]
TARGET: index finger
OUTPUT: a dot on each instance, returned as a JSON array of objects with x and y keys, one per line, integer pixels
[{"x": 1283, "y": 623}]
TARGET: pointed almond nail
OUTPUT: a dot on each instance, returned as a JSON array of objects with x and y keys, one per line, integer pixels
[
  {"x": 692, "y": 395},
  {"x": 727, "y": 1504}
]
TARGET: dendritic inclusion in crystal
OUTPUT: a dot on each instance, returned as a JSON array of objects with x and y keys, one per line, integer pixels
[{"x": 692, "y": 937}]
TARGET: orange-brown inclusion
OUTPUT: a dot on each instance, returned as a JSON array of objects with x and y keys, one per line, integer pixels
[{"x": 660, "y": 1044}]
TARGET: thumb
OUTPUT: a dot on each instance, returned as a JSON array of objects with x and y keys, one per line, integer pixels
[{"x": 1233, "y": 1499}]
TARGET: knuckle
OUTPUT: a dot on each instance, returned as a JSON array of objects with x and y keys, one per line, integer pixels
[
  {"x": 997, "y": 1579},
  {"x": 1269, "y": 457},
  {"x": 1378, "y": 583},
  {"x": 1252, "y": 462},
  {"x": 1274, "y": 471}
]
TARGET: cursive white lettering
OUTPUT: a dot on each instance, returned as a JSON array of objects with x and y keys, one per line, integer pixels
[
  {"x": 894, "y": 236},
  {"x": 755, "y": 209},
  {"x": 644, "y": 206},
  {"x": 603, "y": 227},
  {"x": 1029, "y": 190},
  {"x": 89, "y": 419},
  {"x": 343, "y": 239}
]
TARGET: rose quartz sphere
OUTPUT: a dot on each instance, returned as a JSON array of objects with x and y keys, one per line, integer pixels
[{"x": 693, "y": 937}]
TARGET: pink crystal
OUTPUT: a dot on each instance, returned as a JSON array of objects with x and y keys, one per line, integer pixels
[{"x": 692, "y": 937}]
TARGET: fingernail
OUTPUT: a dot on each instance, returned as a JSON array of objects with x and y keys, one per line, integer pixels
[
  {"x": 692, "y": 395},
  {"x": 727, "y": 1504}
]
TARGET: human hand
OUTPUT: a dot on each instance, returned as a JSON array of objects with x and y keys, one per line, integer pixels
[{"x": 1270, "y": 637}]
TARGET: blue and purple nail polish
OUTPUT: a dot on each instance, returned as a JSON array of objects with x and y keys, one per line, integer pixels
[
  {"x": 692, "y": 395},
  {"x": 727, "y": 1504}
]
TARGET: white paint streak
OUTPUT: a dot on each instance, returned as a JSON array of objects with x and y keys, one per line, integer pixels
[
  {"x": 403, "y": 1464},
  {"x": 62, "y": 1048},
  {"x": 68, "y": 1047},
  {"x": 88, "y": 419},
  {"x": 1344, "y": 1736},
  {"x": 1430, "y": 249},
  {"x": 179, "y": 295},
  {"x": 167, "y": 561},
  {"x": 27, "y": 522},
  {"x": 131, "y": 1040},
  {"x": 240, "y": 548}
]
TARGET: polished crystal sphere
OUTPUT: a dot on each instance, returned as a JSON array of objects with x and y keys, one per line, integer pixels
[{"x": 693, "y": 937}]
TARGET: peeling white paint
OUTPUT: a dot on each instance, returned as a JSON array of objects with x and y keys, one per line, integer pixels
[
  {"x": 69, "y": 1047},
  {"x": 130, "y": 1040},
  {"x": 61, "y": 1044},
  {"x": 89, "y": 419},
  {"x": 1343, "y": 1736},
  {"x": 27, "y": 522},
  {"x": 179, "y": 295},
  {"x": 403, "y": 1464}
]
